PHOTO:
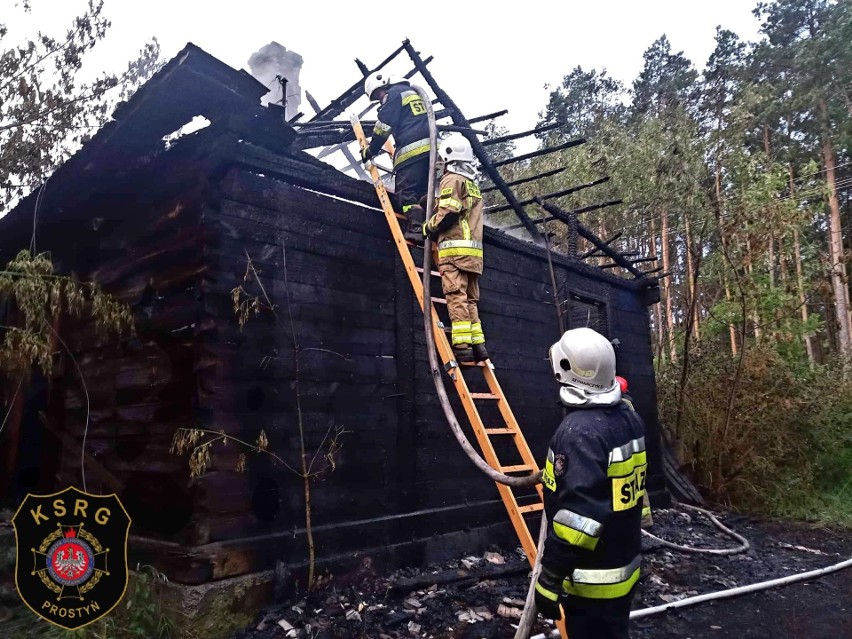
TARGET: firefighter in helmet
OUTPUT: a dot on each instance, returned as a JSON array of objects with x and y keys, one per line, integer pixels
[
  {"x": 403, "y": 114},
  {"x": 457, "y": 227},
  {"x": 594, "y": 484}
]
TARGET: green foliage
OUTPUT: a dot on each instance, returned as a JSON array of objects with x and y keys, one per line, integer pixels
[
  {"x": 36, "y": 295},
  {"x": 46, "y": 109},
  {"x": 143, "y": 613},
  {"x": 764, "y": 434}
]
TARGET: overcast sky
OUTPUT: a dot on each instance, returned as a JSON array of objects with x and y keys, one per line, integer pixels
[{"x": 488, "y": 55}]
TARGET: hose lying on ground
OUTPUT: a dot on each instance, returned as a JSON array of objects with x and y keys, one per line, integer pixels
[
  {"x": 741, "y": 590},
  {"x": 744, "y": 545},
  {"x": 731, "y": 592},
  {"x": 434, "y": 367}
]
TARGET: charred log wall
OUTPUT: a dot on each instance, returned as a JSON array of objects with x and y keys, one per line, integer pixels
[
  {"x": 135, "y": 392},
  {"x": 400, "y": 481},
  {"x": 402, "y": 490}
]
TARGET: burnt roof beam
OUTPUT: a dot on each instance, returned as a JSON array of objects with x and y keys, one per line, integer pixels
[
  {"x": 527, "y": 179},
  {"x": 486, "y": 164},
  {"x": 540, "y": 152},
  {"x": 489, "y": 116},
  {"x": 607, "y": 250},
  {"x": 549, "y": 196},
  {"x": 523, "y": 134},
  {"x": 596, "y": 250},
  {"x": 339, "y": 105},
  {"x": 585, "y": 209}
]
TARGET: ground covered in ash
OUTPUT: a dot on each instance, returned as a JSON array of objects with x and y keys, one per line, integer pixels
[{"x": 481, "y": 597}]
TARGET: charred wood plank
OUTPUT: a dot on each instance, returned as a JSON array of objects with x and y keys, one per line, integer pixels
[
  {"x": 596, "y": 250},
  {"x": 585, "y": 209},
  {"x": 532, "y": 178},
  {"x": 644, "y": 259},
  {"x": 339, "y": 105},
  {"x": 523, "y": 134},
  {"x": 616, "y": 257},
  {"x": 550, "y": 196},
  {"x": 489, "y": 116},
  {"x": 540, "y": 152},
  {"x": 348, "y": 97}
]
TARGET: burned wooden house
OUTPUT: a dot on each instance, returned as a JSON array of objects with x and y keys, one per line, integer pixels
[{"x": 172, "y": 232}]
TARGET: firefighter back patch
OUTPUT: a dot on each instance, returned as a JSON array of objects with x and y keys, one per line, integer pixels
[{"x": 71, "y": 565}]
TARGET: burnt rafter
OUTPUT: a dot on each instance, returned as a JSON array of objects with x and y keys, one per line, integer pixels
[
  {"x": 550, "y": 196},
  {"x": 323, "y": 137},
  {"x": 351, "y": 95},
  {"x": 596, "y": 250},
  {"x": 486, "y": 164},
  {"x": 606, "y": 249},
  {"x": 488, "y": 116},
  {"x": 584, "y": 209},
  {"x": 523, "y": 134},
  {"x": 531, "y": 178},
  {"x": 540, "y": 152},
  {"x": 644, "y": 259}
]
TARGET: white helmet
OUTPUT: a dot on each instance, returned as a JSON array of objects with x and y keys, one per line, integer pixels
[
  {"x": 455, "y": 148},
  {"x": 585, "y": 360},
  {"x": 377, "y": 80}
]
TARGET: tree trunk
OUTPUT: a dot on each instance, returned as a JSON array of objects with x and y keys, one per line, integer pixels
[
  {"x": 755, "y": 316},
  {"x": 667, "y": 284},
  {"x": 690, "y": 274},
  {"x": 732, "y": 332},
  {"x": 770, "y": 261},
  {"x": 838, "y": 267},
  {"x": 800, "y": 280},
  {"x": 658, "y": 312}
]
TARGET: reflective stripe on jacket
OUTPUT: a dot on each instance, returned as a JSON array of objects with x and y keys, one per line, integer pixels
[
  {"x": 402, "y": 114},
  {"x": 594, "y": 482},
  {"x": 458, "y": 216}
]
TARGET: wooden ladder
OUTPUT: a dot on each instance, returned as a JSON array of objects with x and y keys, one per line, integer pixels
[{"x": 509, "y": 429}]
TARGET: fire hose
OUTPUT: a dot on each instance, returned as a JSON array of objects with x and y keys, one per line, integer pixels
[{"x": 434, "y": 367}]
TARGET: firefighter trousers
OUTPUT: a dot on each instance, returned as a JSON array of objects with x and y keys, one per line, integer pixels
[
  {"x": 461, "y": 289},
  {"x": 597, "y": 618}
]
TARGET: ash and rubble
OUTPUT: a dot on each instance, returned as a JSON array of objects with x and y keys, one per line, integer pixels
[{"x": 483, "y": 596}]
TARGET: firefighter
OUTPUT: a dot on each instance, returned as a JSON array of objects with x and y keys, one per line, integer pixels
[
  {"x": 594, "y": 483},
  {"x": 403, "y": 114},
  {"x": 457, "y": 227}
]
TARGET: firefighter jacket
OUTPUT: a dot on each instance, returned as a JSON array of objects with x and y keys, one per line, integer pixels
[
  {"x": 458, "y": 221},
  {"x": 402, "y": 114},
  {"x": 594, "y": 481}
]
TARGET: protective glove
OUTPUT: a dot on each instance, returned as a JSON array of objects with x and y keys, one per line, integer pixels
[
  {"x": 547, "y": 591},
  {"x": 429, "y": 232},
  {"x": 367, "y": 154}
]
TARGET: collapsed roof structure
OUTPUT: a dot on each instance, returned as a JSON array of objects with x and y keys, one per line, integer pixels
[{"x": 329, "y": 136}]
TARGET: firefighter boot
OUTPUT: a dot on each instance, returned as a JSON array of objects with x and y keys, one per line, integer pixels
[
  {"x": 463, "y": 353},
  {"x": 479, "y": 353},
  {"x": 414, "y": 231}
]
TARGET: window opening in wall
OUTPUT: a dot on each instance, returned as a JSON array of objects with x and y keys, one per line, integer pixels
[{"x": 582, "y": 312}]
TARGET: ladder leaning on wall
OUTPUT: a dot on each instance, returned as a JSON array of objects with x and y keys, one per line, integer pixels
[{"x": 506, "y": 434}]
